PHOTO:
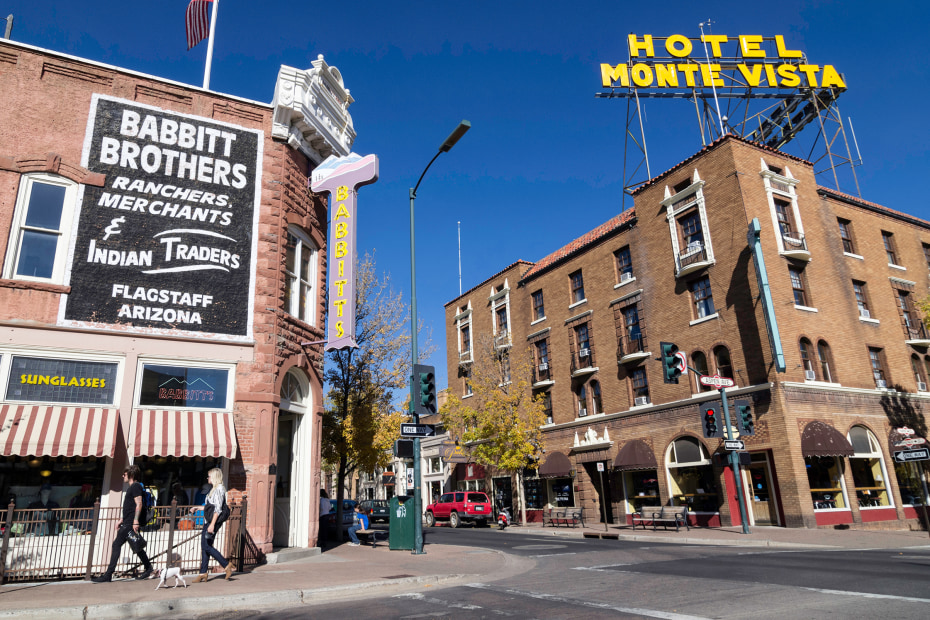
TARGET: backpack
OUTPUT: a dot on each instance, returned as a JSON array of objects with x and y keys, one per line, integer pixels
[{"x": 148, "y": 517}]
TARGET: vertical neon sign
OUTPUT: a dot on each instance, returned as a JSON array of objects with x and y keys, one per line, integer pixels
[{"x": 341, "y": 177}]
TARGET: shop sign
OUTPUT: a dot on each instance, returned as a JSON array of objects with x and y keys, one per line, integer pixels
[
  {"x": 168, "y": 243},
  {"x": 35, "y": 379},
  {"x": 909, "y": 442},
  {"x": 341, "y": 177},
  {"x": 745, "y": 61},
  {"x": 181, "y": 386}
]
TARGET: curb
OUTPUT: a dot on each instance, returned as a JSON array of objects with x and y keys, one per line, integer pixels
[
  {"x": 665, "y": 540},
  {"x": 249, "y": 600}
]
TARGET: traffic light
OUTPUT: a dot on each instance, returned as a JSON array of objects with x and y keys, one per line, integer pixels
[
  {"x": 710, "y": 420},
  {"x": 403, "y": 448},
  {"x": 424, "y": 400},
  {"x": 671, "y": 363},
  {"x": 744, "y": 419}
]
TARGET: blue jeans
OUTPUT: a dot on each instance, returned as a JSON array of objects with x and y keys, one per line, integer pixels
[
  {"x": 354, "y": 528},
  {"x": 207, "y": 550}
]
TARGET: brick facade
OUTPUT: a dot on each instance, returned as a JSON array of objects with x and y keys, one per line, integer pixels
[{"x": 687, "y": 234}]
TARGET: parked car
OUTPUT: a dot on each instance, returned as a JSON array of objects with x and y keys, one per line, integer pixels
[
  {"x": 328, "y": 521},
  {"x": 378, "y": 510},
  {"x": 459, "y": 507}
]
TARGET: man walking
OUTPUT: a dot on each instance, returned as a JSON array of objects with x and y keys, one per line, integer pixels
[{"x": 128, "y": 527}]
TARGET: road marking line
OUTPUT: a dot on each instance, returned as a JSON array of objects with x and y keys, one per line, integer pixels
[
  {"x": 650, "y": 613},
  {"x": 436, "y": 601},
  {"x": 602, "y": 567},
  {"x": 909, "y": 599},
  {"x": 549, "y": 555}
]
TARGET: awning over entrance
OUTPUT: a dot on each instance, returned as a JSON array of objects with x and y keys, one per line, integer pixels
[
  {"x": 821, "y": 439},
  {"x": 557, "y": 465},
  {"x": 182, "y": 433},
  {"x": 635, "y": 454},
  {"x": 41, "y": 430}
]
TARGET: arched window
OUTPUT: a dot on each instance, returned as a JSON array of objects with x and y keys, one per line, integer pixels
[
  {"x": 41, "y": 228},
  {"x": 691, "y": 476},
  {"x": 868, "y": 469},
  {"x": 699, "y": 363},
  {"x": 295, "y": 391},
  {"x": 596, "y": 403},
  {"x": 300, "y": 267},
  {"x": 581, "y": 396},
  {"x": 724, "y": 365},
  {"x": 826, "y": 361},
  {"x": 807, "y": 360},
  {"x": 919, "y": 375}
]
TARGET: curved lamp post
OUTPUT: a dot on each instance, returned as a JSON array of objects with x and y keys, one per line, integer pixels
[{"x": 449, "y": 142}]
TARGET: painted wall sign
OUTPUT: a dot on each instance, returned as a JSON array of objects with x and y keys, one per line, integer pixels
[
  {"x": 168, "y": 243},
  {"x": 341, "y": 177},
  {"x": 36, "y": 379},
  {"x": 746, "y": 61},
  {"x": 182, "y": 386}
]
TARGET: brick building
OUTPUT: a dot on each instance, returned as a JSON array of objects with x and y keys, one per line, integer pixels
[
  {"x": 162, "y": 268},
  {"x": 844, "y": 274}
]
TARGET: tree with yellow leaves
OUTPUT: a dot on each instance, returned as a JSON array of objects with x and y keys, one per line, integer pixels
[
  {"x": 500, "y": 423},
  {"x": 360, "y": 421}
]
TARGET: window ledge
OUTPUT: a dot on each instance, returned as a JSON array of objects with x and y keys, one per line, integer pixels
[
  {"x": 805, "y": 308},
  {"x": 831, "y": 510},
  {"x": 634, "y": 407},
  {"x": 468, "y": 396},
  {"x": 709, "y": 317},
  {"x": 34, "y": 285},
  {"x": 587, "y": 370},
  {"x": 578, "y": 303},
  {"x": 823, "y": 383},
  {"x": 542, "y": 384},
  {"x": 899, "y": 267},
  {"x": 865, "y": 320},
  {"x": 538, "y": 321},
  {"x": 624, "y": 283},
  {"x": 875, "y": 507},
  {"x": 856, "y": 256}
]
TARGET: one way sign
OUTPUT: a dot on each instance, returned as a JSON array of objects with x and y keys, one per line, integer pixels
[
  {"x": 417, "y": 430},
  {"x": 904, "y": 456}
]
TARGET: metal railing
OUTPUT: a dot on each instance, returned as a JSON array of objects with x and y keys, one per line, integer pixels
[
  {"x": 541, "y": 373},
  {"x": 583, "y": 361},
  {"x": 76, "y": 543},
  {"x": 916, "y": 332},
  {"x": 691, "y": 255},
  {"x": 631, "y": 344},
  {"x": 794, "y": 241}
]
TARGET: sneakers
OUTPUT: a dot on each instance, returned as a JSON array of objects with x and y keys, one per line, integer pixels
[
  {"x": 354, "y": 544},
  {"x": 104, "y": 578},
  {"x": 145, "y": 575}
]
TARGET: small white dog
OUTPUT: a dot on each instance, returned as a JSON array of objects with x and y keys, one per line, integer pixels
[{"x": 168, "y": 573}]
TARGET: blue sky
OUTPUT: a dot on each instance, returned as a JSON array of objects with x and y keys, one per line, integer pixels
[{"x": 543, "y": 161}]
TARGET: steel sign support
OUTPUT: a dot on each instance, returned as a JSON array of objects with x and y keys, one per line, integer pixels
[{"x": 734, "y": 463}]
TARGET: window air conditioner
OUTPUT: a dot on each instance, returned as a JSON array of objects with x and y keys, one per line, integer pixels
[
  {"x": 810, "y": 375},
  {"x": 694, "y": 246},
  {"x": 544, "y": 366},
  {"x": 865, "y": 313},
  {"x": 881, "y": 383},
  {"x": 782, "y": 217},
  {"x": 641, "y": 400},
  {"x": 921, "y": 386},
  {"x": 582, "y": 412},
  {"x": 626, "y": 275},
  {"x": 585, "y": 352}
]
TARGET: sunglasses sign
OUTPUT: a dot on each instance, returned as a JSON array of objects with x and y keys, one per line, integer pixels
[{"x": 341, "y": 177}]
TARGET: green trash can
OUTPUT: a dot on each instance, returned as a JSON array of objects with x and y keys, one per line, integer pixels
[{"x": 401, "y": 533}]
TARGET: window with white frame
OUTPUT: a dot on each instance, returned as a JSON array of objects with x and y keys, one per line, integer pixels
[
  {"x": 300, "y": 271},
  {"x": 41, "y": 229},
  {"x": 463, "y": 323},
  {"x": 780, "y": 190},
  {"x": 500, "y": 309},
  {"x": 687, "y": 220},
  {"x": 868, "y": 469}
]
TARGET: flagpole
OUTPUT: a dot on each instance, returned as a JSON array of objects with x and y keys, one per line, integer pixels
[{"x": 206, "y": 73}]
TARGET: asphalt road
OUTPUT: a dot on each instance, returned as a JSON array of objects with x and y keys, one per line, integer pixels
[{"x": 591, "y": 578}]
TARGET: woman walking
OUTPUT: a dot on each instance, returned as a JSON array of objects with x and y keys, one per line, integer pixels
[{"x": 212, "y": 507}]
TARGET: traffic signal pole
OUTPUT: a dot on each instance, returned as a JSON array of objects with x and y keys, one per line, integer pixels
[{"x": 734, "y": 463}]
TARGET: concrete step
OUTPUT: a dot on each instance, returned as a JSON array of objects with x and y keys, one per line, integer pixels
[{"x": 291, "y": 554}]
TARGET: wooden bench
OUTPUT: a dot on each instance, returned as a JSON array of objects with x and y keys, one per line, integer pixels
[
  {"x": 664, "y": 515},
  {"x": 372, "y": 535},
  {"x": 564, "y": 516}
]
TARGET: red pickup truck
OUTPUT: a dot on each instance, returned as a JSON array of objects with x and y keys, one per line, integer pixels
[{"x": 458, "y": 507}]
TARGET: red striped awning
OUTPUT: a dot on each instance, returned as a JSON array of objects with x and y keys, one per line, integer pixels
[
  {"x": 182, "y": 433},
  {"x": 52, "y": 430}
]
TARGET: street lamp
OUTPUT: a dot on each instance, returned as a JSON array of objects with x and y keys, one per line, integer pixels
[{"x": 449, "y": 142}]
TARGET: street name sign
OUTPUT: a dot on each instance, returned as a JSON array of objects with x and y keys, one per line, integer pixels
[
  {"x": 734, "y": 444},
  {"x": 904, "y": 456},
  {"x": 909, "y": 442},
  {"x": 417, "y": 430},
  {"x": 717, "y": 381}
]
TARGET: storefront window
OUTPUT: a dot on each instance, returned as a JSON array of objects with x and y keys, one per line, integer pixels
[
  {"x": 159, "y": 473},
  {"x": 825, "y": 476},
  {"x": 22, "y": 477},
  {"x": 503, "y": 494},
  {"x": 180, "y": 386},
  {"x": 561, "y": 494},
  {"x": 691, "y": 476},
  {"x": 867, "y": 469},
  {"x": 909, "y": 483},
  {"x": 642, "y": 488},
  {"x": 532, "y": 493}
]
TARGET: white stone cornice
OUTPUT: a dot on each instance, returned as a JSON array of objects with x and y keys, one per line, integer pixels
[{"x": 311, "y": 111}]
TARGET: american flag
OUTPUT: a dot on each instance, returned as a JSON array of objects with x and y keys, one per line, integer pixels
[{"x": 197, "y": 21}]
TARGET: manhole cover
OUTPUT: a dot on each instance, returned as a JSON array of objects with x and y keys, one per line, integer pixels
[{"x": 397, "y": 577}]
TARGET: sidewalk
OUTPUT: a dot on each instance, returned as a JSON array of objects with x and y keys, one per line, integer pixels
[
  {"x": 350, "y": 572},
  {"x": 340, "y": 572}
]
